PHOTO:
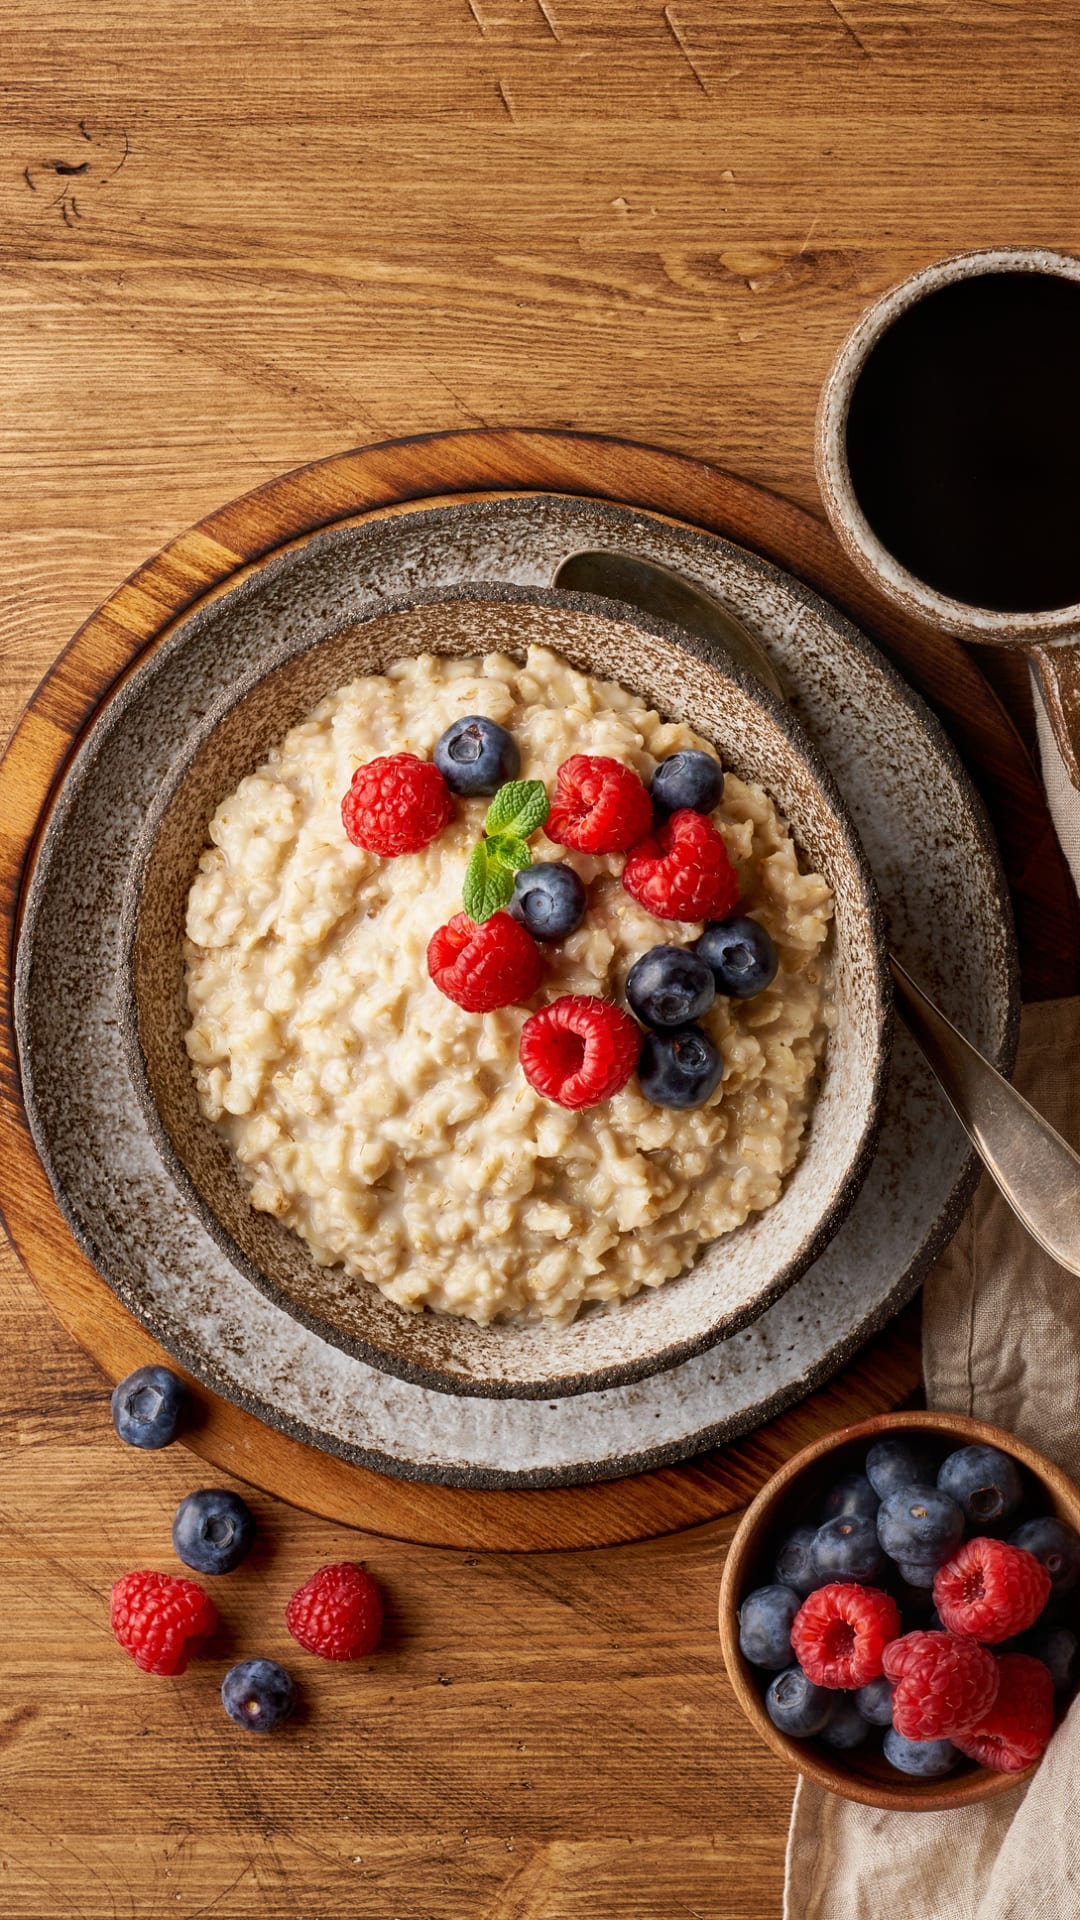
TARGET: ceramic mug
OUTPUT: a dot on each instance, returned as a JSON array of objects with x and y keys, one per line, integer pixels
[{"x": 1050, "y": 637}]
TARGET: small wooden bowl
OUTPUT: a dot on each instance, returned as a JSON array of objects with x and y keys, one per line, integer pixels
[{"x": 767, "y": 1522}]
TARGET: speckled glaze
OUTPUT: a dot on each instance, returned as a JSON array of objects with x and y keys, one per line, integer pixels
[
  {"x": 735, "y": 1278},
  {"x": 948, "y": 918}
]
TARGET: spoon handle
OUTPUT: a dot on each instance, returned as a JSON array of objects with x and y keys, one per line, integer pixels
[{"x": 1036, "y": 1170}]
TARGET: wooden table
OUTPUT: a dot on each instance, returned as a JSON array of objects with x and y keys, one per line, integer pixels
[{"x": 235, "y": 239}]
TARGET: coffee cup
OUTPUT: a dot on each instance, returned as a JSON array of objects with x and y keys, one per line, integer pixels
[{"x": 948, "y": 457}]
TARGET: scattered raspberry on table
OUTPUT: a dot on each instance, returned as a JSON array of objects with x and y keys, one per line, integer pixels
[
  {"x": 840, "y": 1634},
  {"x": 396, "y": 804},
  {"x": 481, "y": 968},
  {"x": 945, "y": 1684},
  {"x": 600, "y": 805},
  {"x": 683, "y": 871},
  {"x": 990, "y": 1590},
  {"x": 1017, "y": 1729},
  {"x": 338, "y": 1613},
  {"x": 579, "y": 1050},
  {"x": 161, "y": 1620}
]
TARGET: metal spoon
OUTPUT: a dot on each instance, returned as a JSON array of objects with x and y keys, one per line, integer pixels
[{"x": 1036, "y": 1170}]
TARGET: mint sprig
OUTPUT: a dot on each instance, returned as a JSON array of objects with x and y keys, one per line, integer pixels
[{"x": 519, "y": 809}]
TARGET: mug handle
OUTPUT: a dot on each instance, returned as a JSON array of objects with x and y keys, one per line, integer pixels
[{"x": 1058, "y": 667}]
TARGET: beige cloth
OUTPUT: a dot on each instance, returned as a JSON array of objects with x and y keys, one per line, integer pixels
[{"x": 1001, "y": 1341}]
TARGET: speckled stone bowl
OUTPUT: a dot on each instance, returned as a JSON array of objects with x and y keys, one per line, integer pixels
[{"x": 736, "y": 1278}]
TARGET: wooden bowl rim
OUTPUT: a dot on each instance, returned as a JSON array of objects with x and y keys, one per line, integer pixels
[{"x": 984, "y": 1783}]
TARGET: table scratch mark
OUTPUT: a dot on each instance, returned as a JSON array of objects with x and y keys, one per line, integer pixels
[
  {"x": 480, "y": 25},
  {"x": 680, "y": 41},
  {"x": 848, "y": 28},
  {"x": 551, "y": 27},
  {"x": 505, "y": 98}
]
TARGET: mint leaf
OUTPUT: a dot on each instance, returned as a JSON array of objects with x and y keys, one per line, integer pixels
[
  {"x": 510, "y": 850},
  {"x": 519, "y": 808},
  {"x": 489, "y": 882}
]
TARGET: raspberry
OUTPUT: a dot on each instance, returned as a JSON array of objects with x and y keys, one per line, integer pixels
[
  {"x": 484, "y": 967},
  {"x": 1018, "y": 1726},
  {"x": 683, "y": 872},
  {"x": 579, "y": 1050},
  {"x": 990, "y": 1590},
  {"x": 160, "y": 1620},
  {"x": 946, "y": 1684},
  {"x": 338, "y": 1613},
  {"x": 396, "y": 804},
  {"x": 840, "y": 1634},
  {"x": 600, "y": 805}
]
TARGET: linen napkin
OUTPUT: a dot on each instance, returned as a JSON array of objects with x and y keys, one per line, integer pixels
[{"x": 1001, "y": 1341}]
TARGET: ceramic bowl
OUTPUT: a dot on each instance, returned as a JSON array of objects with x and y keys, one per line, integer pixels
[
  {"x": 788, "y": 1500},
  {"x": 735, "y": 1278}
]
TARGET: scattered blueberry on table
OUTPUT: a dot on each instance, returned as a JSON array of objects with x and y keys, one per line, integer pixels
[
  {"x": 213, "y": 1530},
  {"x": 258, "y": 1695},
  {"x": 146, "y": 1407}
]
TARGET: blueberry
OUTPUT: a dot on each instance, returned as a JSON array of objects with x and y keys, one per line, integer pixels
[
  {"x": 1058, "y": 1649},
  {"x": 741, "y": 955},
  {"x": 689, "y": 779},
  {"x": 476, "y": 755},
  {"x": 847, "y": 1549},
  {"x": 146, "y": 1407},
  {"x": 986, "y": 1483},
  {"x": 213, "y": 1530},
  {"x": 901, "y": 1462},
  {"x": 874, "y": 1702},
  {"x": 852, "y": 1494},
  {"x": 845, "y": 1727},
  {"x": 795, "y": 1561},
  {"x": 549, "y": 899},
  {"x": 258, "y": 1695},
  {"x": 796, "y": 1706},
  {"x": 928, "y": 1759},
  {"x": 919, "y": 1527},
  {"x": 919, "y": 1575},
  {"x": 1057, "y": 1546},
  {"x": 669, "y": 987},
  {"x": 765, "y": 1619},
  {"x": 680, "y": 1069}
]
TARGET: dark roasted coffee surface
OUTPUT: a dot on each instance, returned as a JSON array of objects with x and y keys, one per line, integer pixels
[{"x": 963, "y": 441}]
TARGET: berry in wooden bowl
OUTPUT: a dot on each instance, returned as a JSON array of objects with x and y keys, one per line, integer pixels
[{"x": 900, "y": 1610}]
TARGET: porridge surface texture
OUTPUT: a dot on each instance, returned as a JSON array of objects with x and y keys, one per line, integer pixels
[{"x": 396, "y": 1133}]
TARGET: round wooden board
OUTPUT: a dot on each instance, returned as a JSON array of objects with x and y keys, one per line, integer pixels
[{"x": 386, "y": 478}]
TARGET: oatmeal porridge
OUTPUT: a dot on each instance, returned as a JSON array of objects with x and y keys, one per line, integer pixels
[{"x": 396, "y": 1133}]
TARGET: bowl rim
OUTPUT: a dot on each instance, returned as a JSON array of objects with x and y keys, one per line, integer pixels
[
  {"x": 385, "y": 1359},
  {"x": 984, "y": 1783}
]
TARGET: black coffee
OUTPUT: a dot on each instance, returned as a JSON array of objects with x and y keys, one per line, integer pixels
[{"x": 963, "y": 441}]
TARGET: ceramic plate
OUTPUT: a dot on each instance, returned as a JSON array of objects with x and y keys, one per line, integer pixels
[{"x": 937, "y": 871}]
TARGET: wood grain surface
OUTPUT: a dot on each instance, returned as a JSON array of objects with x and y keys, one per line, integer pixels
[{"x": 236, "y": 239}]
